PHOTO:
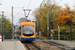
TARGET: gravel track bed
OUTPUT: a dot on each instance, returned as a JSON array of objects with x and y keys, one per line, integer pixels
[
  {"x": 25, "y": 47},
  {"x": 32, "y": 47},
  {"x": 45, "y": 46}
]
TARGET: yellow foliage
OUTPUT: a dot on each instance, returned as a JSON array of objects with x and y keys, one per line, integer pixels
[
  {"x": 64, "y": 17},
  {"x": 42, "y": 29}
]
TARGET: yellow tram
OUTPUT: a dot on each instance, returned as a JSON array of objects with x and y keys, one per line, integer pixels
[{"x": 28, "y": 31}]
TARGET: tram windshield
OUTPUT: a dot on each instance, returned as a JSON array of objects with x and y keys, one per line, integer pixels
[{"x": 28, "y": 30}]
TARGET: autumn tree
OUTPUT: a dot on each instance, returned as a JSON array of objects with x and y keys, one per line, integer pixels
[
  {"x": 64, "y": 20},
  {"x": 41, "y": 14}
]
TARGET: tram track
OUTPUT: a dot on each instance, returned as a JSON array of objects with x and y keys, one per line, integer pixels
[
  {"x": 32, "y": 46},
  {"x": 58, "y": 45},
  {"x": 63, "y": 47}
]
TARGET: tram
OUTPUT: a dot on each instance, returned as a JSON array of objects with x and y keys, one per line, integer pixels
[{"x": 28, "y": 31}]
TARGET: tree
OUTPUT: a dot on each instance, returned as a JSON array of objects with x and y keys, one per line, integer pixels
[
  {"x": 8, "y": 26},
  {"x": 41, "y": 14},
  {"x": 64, "y": 20},
  {"x": 64, "y": 17}
]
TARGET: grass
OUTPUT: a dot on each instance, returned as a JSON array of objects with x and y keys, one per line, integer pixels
[{"x": 48, "y": 38}]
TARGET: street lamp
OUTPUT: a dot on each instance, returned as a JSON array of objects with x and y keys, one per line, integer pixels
[
  {"x": 2, "y": 24},
  {"x": 5, "y": 26},
  {"x": 70, "y": 26}
]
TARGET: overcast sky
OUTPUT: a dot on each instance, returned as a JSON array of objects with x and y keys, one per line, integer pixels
[{"x": 18, "y": 4}]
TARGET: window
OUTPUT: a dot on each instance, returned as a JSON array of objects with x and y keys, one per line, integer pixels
[{"x": 28, "y": 30}]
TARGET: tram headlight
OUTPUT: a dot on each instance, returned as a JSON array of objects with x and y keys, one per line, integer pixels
[
  {"x": 33, "y": 36},
  {"x": 22, "y": 37}
]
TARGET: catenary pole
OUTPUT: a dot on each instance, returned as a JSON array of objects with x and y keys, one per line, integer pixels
[
  {"x": 12, "y": 23},
  {"x": 37, "y": 24},
  {"x": 70, "y": 26}
]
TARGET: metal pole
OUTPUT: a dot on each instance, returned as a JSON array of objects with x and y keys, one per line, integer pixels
[
  {"x": 51, "y": 30},
  {"x": 2, "y": 25},
  {"x": 47, "y": 19},
  {"x": 71, "y": 26},
  {"x": 52, "y": 24},
  {"x": 12, "y": 23},
  {"x": 58, "y": 32},
  {"x": 37, "y": 24},
  {"x": 5, "y": 26}
]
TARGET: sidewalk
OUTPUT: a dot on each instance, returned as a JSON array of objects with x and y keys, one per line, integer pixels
[{"x": 11, "y": 45}]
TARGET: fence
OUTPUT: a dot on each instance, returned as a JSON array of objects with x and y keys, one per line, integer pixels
[
  {"x": 62, "y": 37},
  {"x": 8, "y": 36}
]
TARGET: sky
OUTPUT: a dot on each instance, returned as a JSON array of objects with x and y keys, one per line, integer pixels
[{"x": 19, "y": 4}]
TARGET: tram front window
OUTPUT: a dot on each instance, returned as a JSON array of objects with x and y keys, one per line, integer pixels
[{"x": 28, "y": 30}]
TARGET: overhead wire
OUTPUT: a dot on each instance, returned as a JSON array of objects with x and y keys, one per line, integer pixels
[
  {"x": 25, "y": 3},
  {"x": 27, "y": 8},
  {"x": 29, "y": 4},
  {"x": 23, "y": 8},
  {"x": 19, "y": 12}
]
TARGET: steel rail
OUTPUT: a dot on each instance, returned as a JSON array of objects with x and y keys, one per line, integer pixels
[
  {"x": 37, "y": 46},
  {"x": 33, "y": 45},
  {"x": 61, "y": 46},
  {"x": 27, "y": 46}
]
